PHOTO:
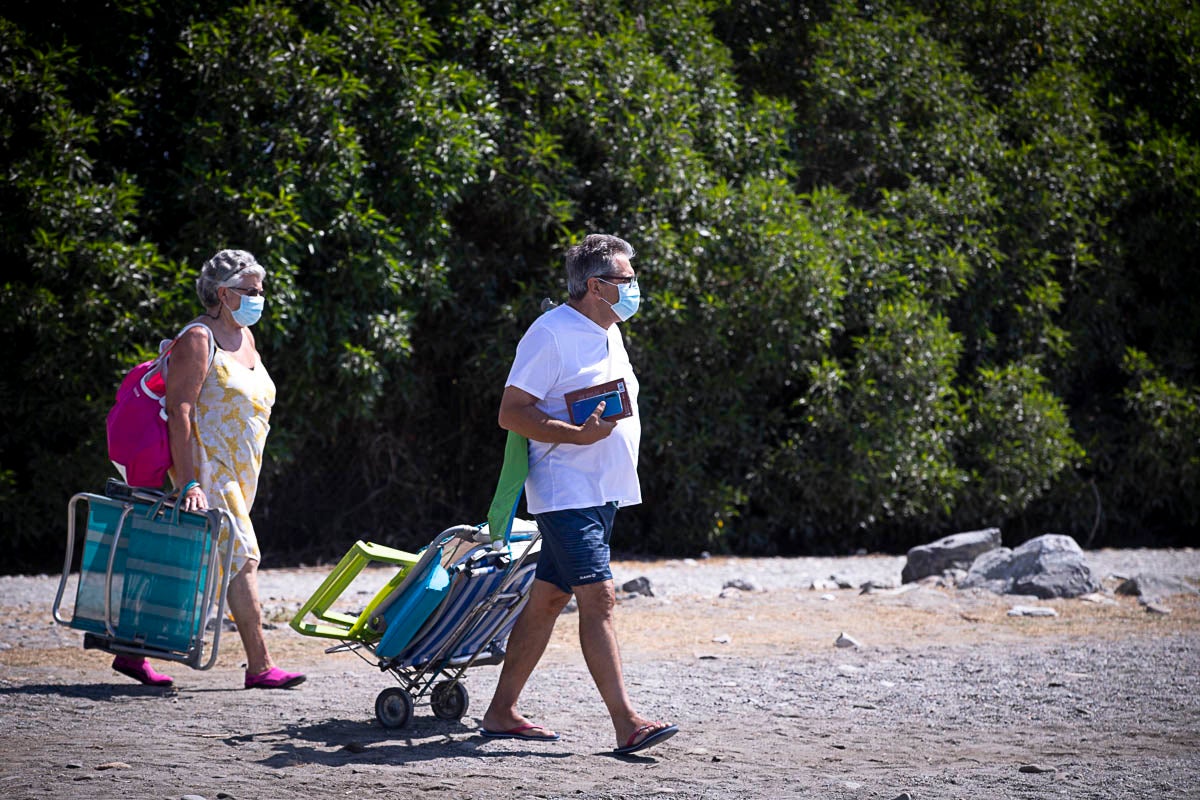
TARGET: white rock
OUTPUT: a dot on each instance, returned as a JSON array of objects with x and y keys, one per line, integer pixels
[{"x": 1032, "y": 611}]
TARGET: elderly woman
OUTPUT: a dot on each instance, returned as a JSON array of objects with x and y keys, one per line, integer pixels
[{"x": 219, "y": 398}]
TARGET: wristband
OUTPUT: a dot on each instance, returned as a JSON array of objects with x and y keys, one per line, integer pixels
[{"x": 188, "y": 487}]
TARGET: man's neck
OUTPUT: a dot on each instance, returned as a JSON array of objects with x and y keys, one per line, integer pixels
[{"x": 595, "y": 310}]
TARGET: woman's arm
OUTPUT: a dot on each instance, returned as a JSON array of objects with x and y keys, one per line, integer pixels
[{"x": 186, "y": 373}]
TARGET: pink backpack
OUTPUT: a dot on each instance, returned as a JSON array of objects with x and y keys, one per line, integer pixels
[{"x": 137, "y": 424}]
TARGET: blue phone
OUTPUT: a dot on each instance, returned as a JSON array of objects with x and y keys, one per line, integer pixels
[{"x": 584, "y": 408}]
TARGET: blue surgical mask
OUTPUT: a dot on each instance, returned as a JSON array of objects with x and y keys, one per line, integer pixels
[
  {"x": 249, "y": 311},
  {"x": 630, "y": 297}
]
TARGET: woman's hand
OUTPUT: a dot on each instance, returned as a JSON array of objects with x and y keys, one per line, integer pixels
[{"x": 194, "y": 499}]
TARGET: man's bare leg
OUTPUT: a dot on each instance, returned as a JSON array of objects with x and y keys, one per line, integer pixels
[
  {"x": 598, "y": 639},
  {"x": 526, "y": 644}
]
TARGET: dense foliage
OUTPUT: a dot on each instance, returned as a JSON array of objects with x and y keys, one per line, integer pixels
[{"x": 910, "y": 267}]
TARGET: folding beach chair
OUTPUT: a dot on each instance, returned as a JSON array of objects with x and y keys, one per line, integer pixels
[{"x": 151, "y": 575}]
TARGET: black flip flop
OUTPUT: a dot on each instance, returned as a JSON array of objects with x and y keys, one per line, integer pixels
[
  {"x": 657, "y": 737},
  {"x": 520, "y": 732}
]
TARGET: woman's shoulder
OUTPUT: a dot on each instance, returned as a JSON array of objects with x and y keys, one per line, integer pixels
[
  {"x": 195, "y": 336},
  {"x": 202, "y": 321}
]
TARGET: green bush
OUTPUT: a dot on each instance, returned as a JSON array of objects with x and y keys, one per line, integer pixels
[{"x": 909, "y": 266}]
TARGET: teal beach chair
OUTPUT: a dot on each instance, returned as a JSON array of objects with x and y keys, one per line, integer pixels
[{"x": 150, "y": 576}]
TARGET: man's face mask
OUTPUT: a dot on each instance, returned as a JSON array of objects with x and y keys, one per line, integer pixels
[{"x": 630, "y": 297}]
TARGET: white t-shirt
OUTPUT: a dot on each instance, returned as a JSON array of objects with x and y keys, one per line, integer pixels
[{"x": 563, "y": 351}]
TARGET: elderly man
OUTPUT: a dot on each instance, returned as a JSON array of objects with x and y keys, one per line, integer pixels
[{"x": 579, "y": 475}]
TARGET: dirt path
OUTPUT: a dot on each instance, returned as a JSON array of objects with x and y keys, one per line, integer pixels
[{"x": 947, "y": 697}]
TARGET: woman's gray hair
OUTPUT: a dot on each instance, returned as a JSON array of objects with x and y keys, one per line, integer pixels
[
  {"x": 226, "y": 268},
  {"x": 591, "y": 258}
]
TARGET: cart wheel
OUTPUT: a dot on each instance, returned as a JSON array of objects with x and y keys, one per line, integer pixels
[
  {"x": 449, "y": 700},
  {"x": 393, "y": 707}
]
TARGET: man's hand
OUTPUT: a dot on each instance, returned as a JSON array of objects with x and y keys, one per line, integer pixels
[
  {"x": 595, "y": 428},
  {"x": 519, "y": 413}
]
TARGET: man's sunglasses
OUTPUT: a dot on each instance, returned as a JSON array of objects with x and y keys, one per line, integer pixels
[{"x": 617, "y": 279}]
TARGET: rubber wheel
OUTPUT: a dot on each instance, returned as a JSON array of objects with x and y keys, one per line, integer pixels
[
  {"x": 449, "y": 701},
  {"x": 393, "y": 707}
]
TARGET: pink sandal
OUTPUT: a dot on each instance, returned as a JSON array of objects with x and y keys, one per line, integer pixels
[
  {"x": 274, "y": 678},
  {"x": 140, "y": 670}
]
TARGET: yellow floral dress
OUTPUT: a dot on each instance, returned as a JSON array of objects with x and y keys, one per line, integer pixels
[{"x": 229, "y": 432}]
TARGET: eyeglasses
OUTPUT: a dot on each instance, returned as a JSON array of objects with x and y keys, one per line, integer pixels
[
  {"x": 248, "y": 292},
  {"x": 618, "y": 280}
]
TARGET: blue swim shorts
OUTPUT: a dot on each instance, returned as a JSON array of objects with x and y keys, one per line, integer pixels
[{"x": 575, "y": 546}]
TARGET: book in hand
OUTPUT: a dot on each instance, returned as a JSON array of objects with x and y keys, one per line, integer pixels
[{"x": 582, "y": 402}]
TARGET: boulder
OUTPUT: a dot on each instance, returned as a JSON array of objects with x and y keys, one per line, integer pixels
[
  {"x": 1051, "y": 565},
  {"x": 1153, "y": 587},
  {"x": 957, "y": 551}
]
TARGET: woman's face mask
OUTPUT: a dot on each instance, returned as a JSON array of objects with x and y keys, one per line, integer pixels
[{"x": 250, "y": 310}]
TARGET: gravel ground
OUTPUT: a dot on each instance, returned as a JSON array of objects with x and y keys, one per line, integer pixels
[{"x": 947, "y": 696}]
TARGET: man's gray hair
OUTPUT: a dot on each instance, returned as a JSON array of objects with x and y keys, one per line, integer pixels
[
  {"x": 226, "y": 268},
  {"x": 591, "y": 258}
]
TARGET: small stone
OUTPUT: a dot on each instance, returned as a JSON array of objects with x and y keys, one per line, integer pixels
[
  {"x": 74, "y": 765},
  {"x": 845, "y": 641},
  {"x": 114, "y": 765},
  {"x": 745, "y": 584},
  {"x": 1155, "y": 608},
  {"x": 828, "y": 597},
  {"x": 1036, "y": 769},
  {"x": 722, "y": 639},
  {"x": 1032, "y": 611},
  {"x": 355, "y": 747},
  {"x": 903, "y": 796},
  {"x": 849, "y": 669},
  {"x": 638, "y": 586}
]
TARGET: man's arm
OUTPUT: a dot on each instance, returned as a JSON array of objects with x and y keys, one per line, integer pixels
[{"x": 519, "y": 413}]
